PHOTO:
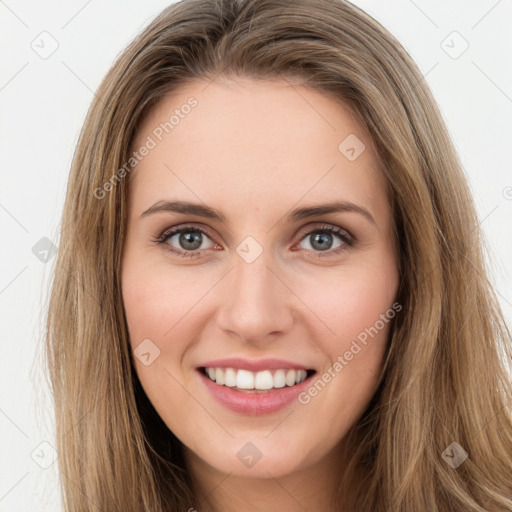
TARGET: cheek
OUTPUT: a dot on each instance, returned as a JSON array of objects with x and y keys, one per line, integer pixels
[
  {"x": 156, "y": 300},
  {"x": 154, "y": 307},
  {"x": 163, "y": 306},
  {"x": 350, "y": 302},
  {"x": 357, "y": 310}
]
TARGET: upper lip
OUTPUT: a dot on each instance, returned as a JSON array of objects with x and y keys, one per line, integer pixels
[{"x": 254, "y": 365}]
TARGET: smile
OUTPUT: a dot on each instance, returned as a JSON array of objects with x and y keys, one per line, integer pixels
[
  {"x": 262, "y": 381},
  {"x": 254, "y": 388}
]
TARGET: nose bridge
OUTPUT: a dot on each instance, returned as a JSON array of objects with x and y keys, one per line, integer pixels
[{"x": 256, "y": 302}]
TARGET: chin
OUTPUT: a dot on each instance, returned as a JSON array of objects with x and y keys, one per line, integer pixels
[{"x": 255, "y": 457}]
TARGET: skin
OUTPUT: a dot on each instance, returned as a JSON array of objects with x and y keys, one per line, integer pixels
[{"x": 255, "y": 150}]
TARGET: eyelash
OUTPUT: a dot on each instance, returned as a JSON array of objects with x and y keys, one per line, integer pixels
[{"x": 344, "y": 236}]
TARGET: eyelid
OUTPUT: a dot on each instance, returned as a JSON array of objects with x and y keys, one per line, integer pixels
[
  {"x": 168, "y": 232},
  {"x": 324, "y": 226}
]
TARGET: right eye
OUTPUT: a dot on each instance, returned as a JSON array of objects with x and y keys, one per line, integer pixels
[{"x": 187, "y": 241}]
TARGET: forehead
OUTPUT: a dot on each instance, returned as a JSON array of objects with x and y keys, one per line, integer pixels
[{"x": 254, "y": 141}]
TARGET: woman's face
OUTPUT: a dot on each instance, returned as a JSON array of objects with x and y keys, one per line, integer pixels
[{"x": 264, "y": 285}]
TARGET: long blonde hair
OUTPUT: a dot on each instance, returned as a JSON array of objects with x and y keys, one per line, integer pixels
[{"x": 445, "y": 376}]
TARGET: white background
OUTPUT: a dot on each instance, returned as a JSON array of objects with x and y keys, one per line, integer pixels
[{"x": 43, "y": 104}]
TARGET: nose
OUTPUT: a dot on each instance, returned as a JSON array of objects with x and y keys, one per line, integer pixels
[{"x": 257, "y": 303}]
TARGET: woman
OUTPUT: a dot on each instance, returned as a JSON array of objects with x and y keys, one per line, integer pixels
[{"x": 270, "y": 292}]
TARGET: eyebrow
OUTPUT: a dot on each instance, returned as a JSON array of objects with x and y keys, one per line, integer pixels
[{"x": 296, "y": 215}]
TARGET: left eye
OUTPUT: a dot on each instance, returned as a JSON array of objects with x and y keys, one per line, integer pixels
[{"x": 322, "y": 239}]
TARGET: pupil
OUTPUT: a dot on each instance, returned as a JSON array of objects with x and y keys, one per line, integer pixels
[
  {"x": 320, "y": 238},
  {"x": 188, "y": 238}
]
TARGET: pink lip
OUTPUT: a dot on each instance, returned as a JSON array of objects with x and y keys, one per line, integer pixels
[
  {"x": 253, "y": 404},
  {"x": 253, "y": 365}
]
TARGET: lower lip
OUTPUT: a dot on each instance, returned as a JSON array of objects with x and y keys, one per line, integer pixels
[{"x": 254, "y": 404}]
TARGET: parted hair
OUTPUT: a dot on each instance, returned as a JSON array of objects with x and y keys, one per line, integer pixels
[{"x": 446, "y": 372}]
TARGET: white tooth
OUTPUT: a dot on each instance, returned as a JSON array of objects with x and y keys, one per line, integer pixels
[
  {"x": 290, "y": 377},
  {"x": 219, "y": 376},
  {"x": 244, "y": 379},
  {"x": 301, "y": 375},
  {"x": 263, "y": 380},
  {"x": 230, "y": 377},
  {"x": 279, "y": 379}
]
